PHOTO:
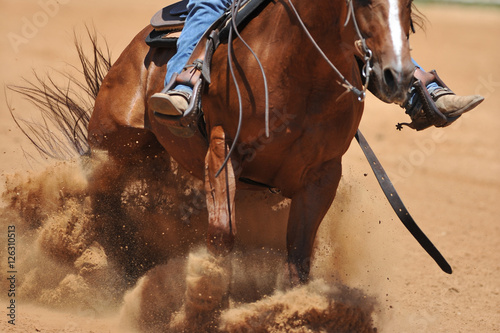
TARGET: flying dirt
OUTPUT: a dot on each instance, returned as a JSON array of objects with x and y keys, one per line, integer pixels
[
  {"x": 187, "y": 288},
  {"x": 367, "y": 271}
]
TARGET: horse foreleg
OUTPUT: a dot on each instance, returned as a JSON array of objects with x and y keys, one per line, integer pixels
[
  {"x": 220, "y": 193},
  {"x": 308, "y": 208}
]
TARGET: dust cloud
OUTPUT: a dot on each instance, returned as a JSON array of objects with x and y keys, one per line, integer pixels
[{"x": 64, "y": 267}]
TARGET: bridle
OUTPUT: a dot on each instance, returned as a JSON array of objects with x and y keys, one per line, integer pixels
[
  {"x": 367, "y": 68},
  {"x": 360, "y": 93},
  {"x": 381, "y": 175},
  {"x": 379, "y": 172}
]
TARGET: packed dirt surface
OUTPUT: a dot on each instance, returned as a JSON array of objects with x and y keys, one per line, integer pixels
[{"x": 368, "y": 271}]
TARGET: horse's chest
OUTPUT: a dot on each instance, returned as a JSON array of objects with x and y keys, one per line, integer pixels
[{"x": 288, "y": 161}]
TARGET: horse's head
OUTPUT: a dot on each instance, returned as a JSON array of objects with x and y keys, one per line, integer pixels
[{"x": 386, "y": 25}]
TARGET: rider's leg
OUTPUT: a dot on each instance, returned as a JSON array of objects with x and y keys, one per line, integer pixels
[
  {"x": 201, "y": 14},
  {"x": 447, "y": 102}
]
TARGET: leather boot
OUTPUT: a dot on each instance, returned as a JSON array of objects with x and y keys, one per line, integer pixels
[
  {"x": 452, "y": 105},
  {"x": 170, "y": 103},
  {"x": 439, "y": 108}
]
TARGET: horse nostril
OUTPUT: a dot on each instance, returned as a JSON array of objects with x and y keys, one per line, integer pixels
[
  {"x": 394, "y": 82},
  {"x": 389, "y": 78}
]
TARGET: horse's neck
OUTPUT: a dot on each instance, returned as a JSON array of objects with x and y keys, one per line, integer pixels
[
  {"x": 322, "y": 18},
  {"x": 324, "y": 21},
  {"x": 292, "y": 64}
]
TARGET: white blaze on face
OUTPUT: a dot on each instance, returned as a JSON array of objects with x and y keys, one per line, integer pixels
[{"x": 396, "y": 31}]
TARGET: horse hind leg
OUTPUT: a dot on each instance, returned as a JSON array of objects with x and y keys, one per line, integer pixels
[
  {"x": 307, "y": 210},
  {"x": 220, "y": 192}
]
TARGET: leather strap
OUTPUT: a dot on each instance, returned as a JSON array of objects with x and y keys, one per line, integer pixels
[{"x": 398, "y": 206}]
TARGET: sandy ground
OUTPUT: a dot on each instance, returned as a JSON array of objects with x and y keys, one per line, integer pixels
[{"x": 448, "y": 178}]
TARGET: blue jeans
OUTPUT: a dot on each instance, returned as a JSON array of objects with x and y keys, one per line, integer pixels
[
  {"x": 201, "y": 15},
  {"x": 431, "y": 86}
]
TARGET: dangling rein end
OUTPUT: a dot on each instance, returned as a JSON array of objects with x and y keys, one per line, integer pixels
[{"x": 398, "y": 206}]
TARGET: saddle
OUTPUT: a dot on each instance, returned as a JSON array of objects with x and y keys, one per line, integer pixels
[
  {"x": 168, "y": 22},
  {"x": 167, "y": 25}
]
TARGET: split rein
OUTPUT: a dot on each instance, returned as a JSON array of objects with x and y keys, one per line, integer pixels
[
  {"x": 360, "y": 93},
  {"x": 367, "y": 69}
]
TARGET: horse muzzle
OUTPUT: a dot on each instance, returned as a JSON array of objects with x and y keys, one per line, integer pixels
[{"x": 391, "y": 83}]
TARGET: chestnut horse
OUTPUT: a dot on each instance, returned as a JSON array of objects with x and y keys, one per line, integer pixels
[{"x": 312, "y": 119}]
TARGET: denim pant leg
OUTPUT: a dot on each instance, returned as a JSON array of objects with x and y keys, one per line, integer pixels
[
  {"x": 201, "y": 14},
  {"x": 431, "y": 86},
  {"x": 415, "y": 63}
]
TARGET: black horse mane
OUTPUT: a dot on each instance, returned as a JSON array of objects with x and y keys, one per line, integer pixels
[{"x": 65, "y": 108}]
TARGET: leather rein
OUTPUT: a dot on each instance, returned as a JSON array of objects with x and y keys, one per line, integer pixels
[
  {"x": 382, "y": 178},
  {"x": 384, "y": 181},
  {"x": 367, "y": 69},
  {"x": 360, "y": 93},
  {"x": 398, "y": 206}
]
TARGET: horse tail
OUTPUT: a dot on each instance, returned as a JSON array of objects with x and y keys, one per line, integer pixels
[{"x": 65, "y": 107}]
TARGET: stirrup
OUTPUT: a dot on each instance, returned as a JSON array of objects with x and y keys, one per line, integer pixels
[
  {"x": 424, "y": 112},
  {"x": 186, "y": 125}
]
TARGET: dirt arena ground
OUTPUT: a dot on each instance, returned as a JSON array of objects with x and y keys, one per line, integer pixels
[{"x": 448, "y": 178}]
